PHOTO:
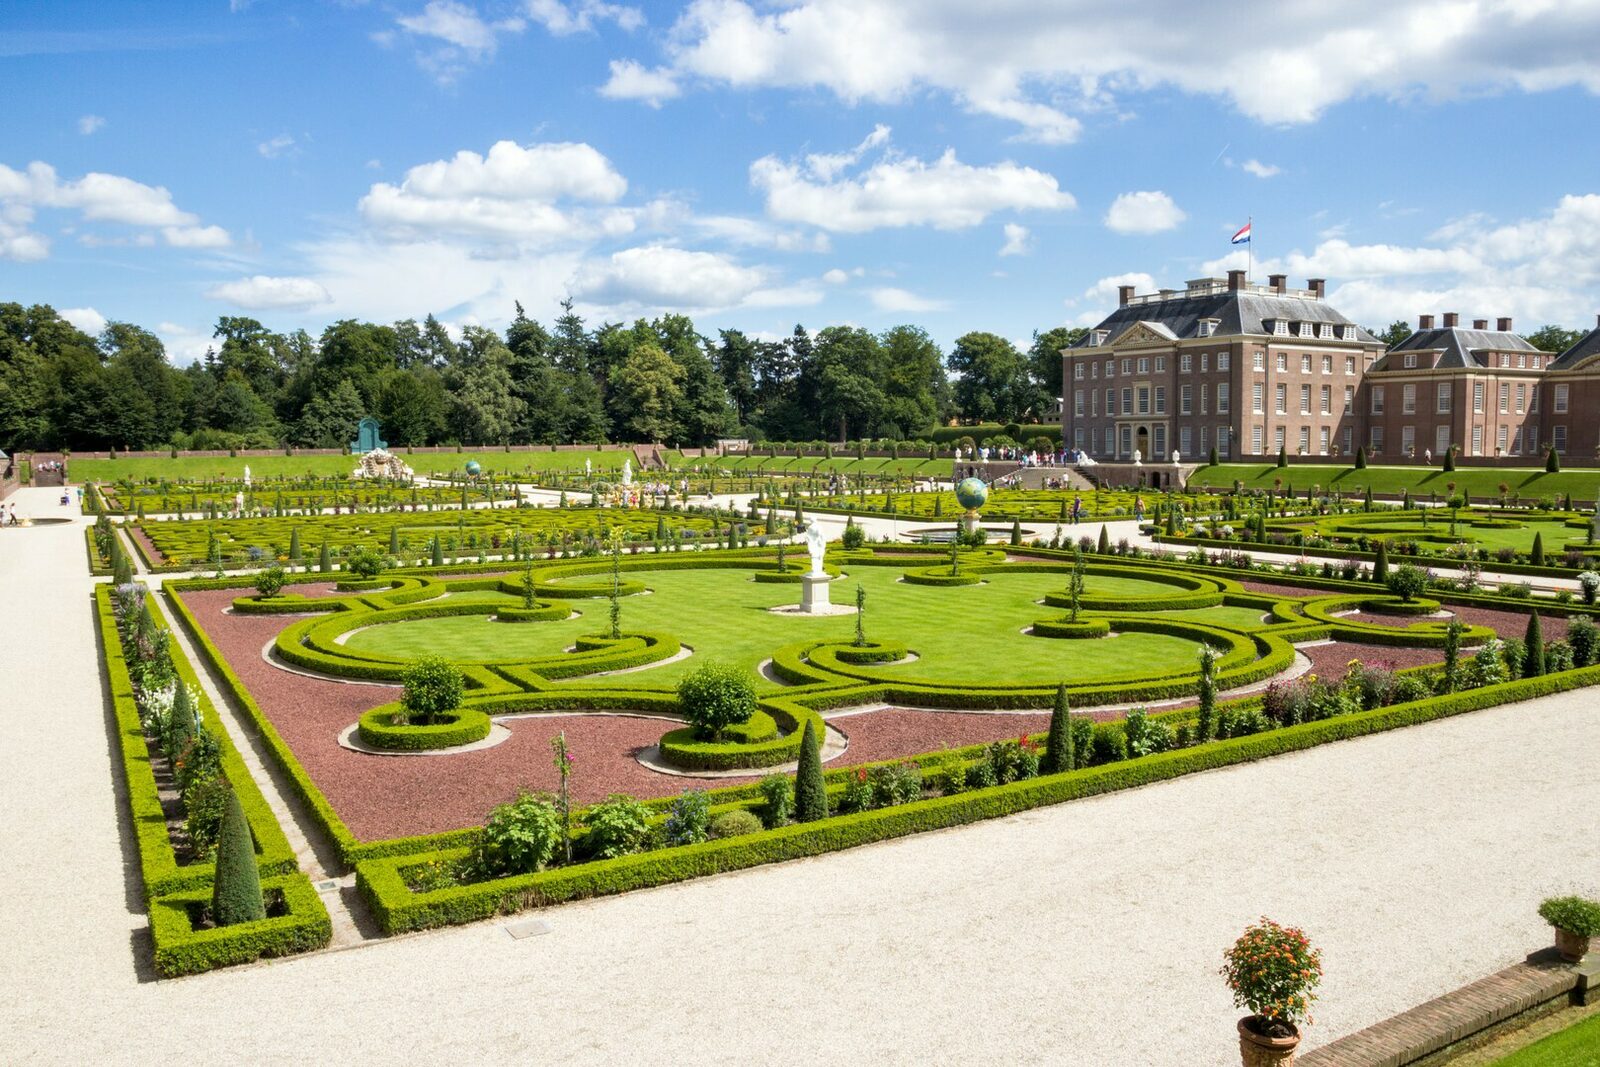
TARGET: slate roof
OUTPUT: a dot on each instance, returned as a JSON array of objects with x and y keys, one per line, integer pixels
[
  {"x": 1588, "y": 345},
  {"x": 1459, "y": 347},
  {"x": 1237, "y": 312}
]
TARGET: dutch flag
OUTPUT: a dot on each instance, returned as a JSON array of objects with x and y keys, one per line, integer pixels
[{"x": 1242, "y": 237}]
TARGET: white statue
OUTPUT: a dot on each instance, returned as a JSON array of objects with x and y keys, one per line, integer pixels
[
  {"x": 588, "y": 469},
  {"x": 247, "y": 475},
  {"x": 627, "y": 472},
  {"x": 1138, "y": 457},
  {"x": 817, "y": 545},
  {"x": 238, "y": 504},
  {"x": 1175, "y": 457}
]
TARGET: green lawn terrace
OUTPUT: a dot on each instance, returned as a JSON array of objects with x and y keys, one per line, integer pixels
[
  {"x": 462, "y": 535},
  {"x": 1524, "y": 485},
  {"x": 280, "y": 495},
  {"x": 519, "y": 465},
  {"x": 1003, "y": 505}
]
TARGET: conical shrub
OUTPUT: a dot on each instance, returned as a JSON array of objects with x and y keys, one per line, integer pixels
[
  {"x": 1533, "y": 639},
  {"x": 236, "y": 889},
  {"x": 1058, "y": 754},
  {"x": 810, "y": 794}
]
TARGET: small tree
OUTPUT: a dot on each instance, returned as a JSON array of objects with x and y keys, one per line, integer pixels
[
  {"x": 1533, "y": 640},
  {"x": 1552, "y": 462},
  {"x": 1452, "y": 655},
  {"x": 616, "y": 585},
  {"x": 1272, "y": 971},
  {"x": 294, "y": 546},
  {"x": 1450, "y": 458},
  {"x": 1104, "y": 547},
  {"x": 861, "y": 616},
  {"x": 433, "y": 688},
  {"x": 1283, "y": 455},
  {"x": 1536, "y": 556},
  {"x": 1075, "y": 586},
  {"x": 1206, "y": 722},
  {"x": 810, "y": 793},
  {"x": 1211, "y": 460},
  {"x": 1407, "y": 582},
  {"x": 365, "y": 563},
  {"x": 236, "y": 887},
  {"x": 1058, "y": 754},
  {"x": 269, "y": 583},
  {"x": 1380, "y": 564},
  {"x": 715, "y": 697},
  {"x": 1361, "y": 458},
  {"x": 562, "y": 758},
  {"x": 436, "y": 556},
  {"x": 528, "y": 587},
  {"x": 324, "y": 559}
]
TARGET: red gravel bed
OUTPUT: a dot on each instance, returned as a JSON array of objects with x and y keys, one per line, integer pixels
[
  {"x": 1329, "y": 662},
  {"x": 1269, "y": 589},
  {"x": 892, "y": 732}
]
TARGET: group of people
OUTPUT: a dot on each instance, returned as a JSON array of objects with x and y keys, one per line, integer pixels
[{"x": 8, "y": 515}]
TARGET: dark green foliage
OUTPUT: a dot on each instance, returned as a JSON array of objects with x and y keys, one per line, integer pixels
[
  {"x": 689, "y": 819},
  {"x": 1572, "y": 914},
  {"x": 1533, "y": 639},
  {"x": 617, "y": 826},
  {"x": 236, "y": 891},
  {"x": 1211, "y": 460},
  {"x": 519, "y": 837},
  {"x": 1361, "y": 460},
  {"x": 716, "y": 696},
  {"x": 1450, "y": 459},
  {"x": 778, "y": 793},
  {"x": 1407, "y": 582},
  {"x": 853, "y": 537},
  {"x": 1452, "y": 655},
  {"x": 1536, "y": 554},
  {"x": 1058, "y": 754},
  {"x": 1109, "y": 743},
  {"x": 1104, "y": 547},
  {"x": 269, "y": 582},
  {"x": 1552, "y": 462},
  {"x": 1283, "y": 456},
  {"x": 324, "y": 559},
  {"x": 735, "y": 823},
  {"x": 1380, "y": 564},
  {"x": 436, "y": 555},
  {"x": 1016, "y": 532},
  {"x": 394, "y": 540},
  {"x": 294, "y": 545},
  {"x": 433, "y": 688},
  {"x": 810, "y": 794},
  {"x": 1581, "y": 635},
  {"x": 1206, "y": 718}
]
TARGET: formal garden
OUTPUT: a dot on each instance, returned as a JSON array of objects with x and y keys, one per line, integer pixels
[{"x": 480, "y": 738}]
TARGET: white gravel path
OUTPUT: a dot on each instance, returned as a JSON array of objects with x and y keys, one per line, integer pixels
[{"x": 1087, "y": 933}]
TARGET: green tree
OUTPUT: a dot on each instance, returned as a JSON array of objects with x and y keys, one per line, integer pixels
[
  {"x": 1533, "y": 641},
  {"x": 236, "y": 887},
  {"x": 916, "y": 391},
  {"x": 1554, "y": 338},
  {"x": 484, "y": 409},
  {"x": 1396, "y": 332},
  {"x": 648, "y": 386},
  {"x": 330, "y": 419},
  {"x": 1044, "y": 356},
  {"x": 1058, "y": 754},
  {"x": 993, "y": 384},
  {"x": 810, "y": 793}
]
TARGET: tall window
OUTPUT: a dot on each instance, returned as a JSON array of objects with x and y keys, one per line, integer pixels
[
  {"x": 1281, "y": 400},
  {"x": 1283, "y": 361},
  {"x": 1561, "y": 400},
  {"x": 1161, "y": 364},
  {"x": 1322, "y": 440},
  {"x": 1408, "y": 440},
  {"x": 1224, "y": 441},
  {"x": 1505, "y": 399},
  {"x": 1305, "y": 440},
  {"x": 1205, "y": 398},
  {"x": 1185, "y": 399},
  {"x": 1558, "y": 437},
  {"x": 1111, "y": 401},
  {"x": 1144, "y": 400},
  {"x": 1277, "y": 438},
  {"x": 1077, "y": 402},
  {"x": 1305, "y": 363},
  {"x": 1127, "y": 400},
  {"x": 1205, "y": 362},
  {"x": 1327, "y": 400},
  {"x": 1127, "y": 441},
  {"x": 1158, "y": 437},
  {"x": 1327, "y": 364},
  {"x": 1184, "y": 440},
  {"x": 1349, "y": 364},
  {"x": 1222, "y": 364},
  {"x": 1256, "y": 440},
  {"x": 1094, "y": 403},
  {"x": 1161, "y": 400},
  {"x": 1408, "y": 399},
  {"x": 1222, "y": 398},
  {"x": 1077, "y": 372},
  {"x": 1377, "y": 400},
  {"x": 1347, "y": 436},
  {"x": 1144, "y": 364},
  {"x": 1127, "y": 367},
  {"x": 1257, "y": 401},
  {"x": 1443, "y": 401},
  {"x": 1259, "y": 362},
  {"x": 1441, "y": 439},
  {"x": 1477, "y": 398},
  {"x": 1522, "y": 398},
  {"x": 1375, "y": 439},
  {"x": 1305, "y": 400},
  {"x": 1349, "y": 400},
  {"x": 1500, "y": 438},
  {"x": 1477, "y": 440},
  {"x": 1185, "y": 363}
]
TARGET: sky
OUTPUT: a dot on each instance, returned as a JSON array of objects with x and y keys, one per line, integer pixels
[{"x": 754, "y": 164}]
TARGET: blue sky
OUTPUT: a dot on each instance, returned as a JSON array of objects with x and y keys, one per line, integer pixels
[{"x": 999, "y": 166}]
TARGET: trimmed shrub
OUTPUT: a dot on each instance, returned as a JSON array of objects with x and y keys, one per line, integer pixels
[
  {"x": 778, "y": 800},
  {"x": 1536, "y": 555},
  {"x": 1109, "y": 743},
  {"x": 715, "y": 697},
  {"x": 810, "y": 794},
  {"x": 735, "y": 823},
  {"x": 1581, "y": 633},
  {"x": 1575, "y": 915},
  {"x": 1533, "y": 640},
  {"x": 236, "y": 893},
  {"x": 1058, "y": 755},
  {"x": 433, "y": 686},
  {"x": 1407, "y": 582},
  {"x": 269, "y": 583},
  {"x": 854, "y": 536},
  {"x": 1380, "y": 564}
]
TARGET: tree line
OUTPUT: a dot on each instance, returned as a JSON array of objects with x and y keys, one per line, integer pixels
[{"x": 658, "y": 380}]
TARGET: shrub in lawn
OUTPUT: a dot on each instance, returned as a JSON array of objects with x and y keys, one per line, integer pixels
[
  {"x": 1407, "y": 581},
  {"x": 735, "y": 823},
  {"x": 1058, "y": 754},
  {"x": 853, "y": 536},
  {"x": 1533, "y": 666},
  {"x": 269, "y": 583},
  {"x": 715, "y": 697},
  {"x": 777, "y": 795},
  {"x": 1581, "y": 634},
  {"x": 1557, "y": 657},
  {"x": 433, "y": 688},
  {"x": 1536, "y": 556},
  {"x": 365, "y": 562},
  {"x": 689, "y": 819},
  {"x": 519, "y": 837},
  {"x": 617, "y": 826},
  {"x": 236, "y": 889}
]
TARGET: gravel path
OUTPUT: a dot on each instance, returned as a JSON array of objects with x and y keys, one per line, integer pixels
[{"x": 1087, "y": 933}]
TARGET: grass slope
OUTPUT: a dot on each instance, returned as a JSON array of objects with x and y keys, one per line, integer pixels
[
  {"x": 1531, "y": 483},
  {"x": 1576, "y": 1046},
  {"x": 196, "y": 467}
]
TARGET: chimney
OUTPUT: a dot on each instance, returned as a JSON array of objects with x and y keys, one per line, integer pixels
[
  {"x": 1424, "y": 322},
  {"x": 1318, "y": 287},
  {"x": 1480, "y": 324},
  {"x": 1503, "y": 324},
  {"x": 1235, "y": 280},
  {"x": 1124, "y": 295},
  {"x": 1279, "y": 282},
  {"x": 1451, "y": 319}
]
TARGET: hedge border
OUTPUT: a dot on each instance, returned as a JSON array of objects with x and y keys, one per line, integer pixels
[
  {"x": 465, "y": 726},
  {"x": 180, "y": 949}
]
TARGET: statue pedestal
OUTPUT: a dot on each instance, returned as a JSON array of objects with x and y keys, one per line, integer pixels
[
  {"x": 969, "y": 522},
  {"x": 814, "y": 594}
]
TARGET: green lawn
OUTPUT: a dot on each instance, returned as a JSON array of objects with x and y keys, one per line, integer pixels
[
  {"x": 1576, "y": 1046},
  {"x": 186, "y": 468},
  {"x": 1483, "y": 483},
  {"x": 962, "y": 634},
  {"x": 922, "y": 465}
]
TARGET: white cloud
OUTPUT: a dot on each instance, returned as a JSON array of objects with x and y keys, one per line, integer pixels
[
  {"x": 1004, "y": 58},
  {"x": 88, "y": 124},
  {"x": 96, "y": 197},
  {"x": 835, "y": 276},
  {"x": 825, "y": 166},
  {"x": 754, "y": 233},
  {"x": 453, "y": 23},
  {"x": 511, "y": 194},
  {"x": 263, "y": 292},
  {"x": 661, "y": 276},
  {"x": 1144, "y": 212},
  {"x": 1017, "y": 242},
  {"x": 633, "y": 81},
  {"x": 563, "y": 19},
  {"x": 184, "y": 344},
  {"x": 900, "y": 191},
  {"x": 1105, "y": 289},
  {"x": 1260, "y": 169},
  {"x": 891, "y": 299},
  {"x": 88, "y": 320},
  {"x": 276, "y": 147}
]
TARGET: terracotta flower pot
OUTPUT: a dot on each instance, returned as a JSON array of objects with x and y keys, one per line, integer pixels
[
  {"x": 1258, "y": 1050},
  {"x": 1573, "y": 947}
]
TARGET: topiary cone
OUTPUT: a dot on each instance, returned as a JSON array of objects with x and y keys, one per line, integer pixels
[
  {"x": 810, "y": 794},
  {"x": 236, "y": 889},
  {"x": 1058, "y": 755}
]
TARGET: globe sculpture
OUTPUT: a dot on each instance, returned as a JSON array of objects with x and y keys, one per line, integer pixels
[
  {"x": 474, "y": 468},
  {"x": 971, "y": 493}
]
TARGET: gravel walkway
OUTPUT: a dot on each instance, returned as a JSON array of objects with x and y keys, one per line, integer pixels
[{"x": 1088, "y": 933}]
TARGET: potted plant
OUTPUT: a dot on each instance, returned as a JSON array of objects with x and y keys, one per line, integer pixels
[
  {"x": 1272, "y": 971},
  {"x": 1576, "y": 921}
]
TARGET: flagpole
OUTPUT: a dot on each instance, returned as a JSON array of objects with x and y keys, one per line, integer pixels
[{"x": 1249, "y": 247}]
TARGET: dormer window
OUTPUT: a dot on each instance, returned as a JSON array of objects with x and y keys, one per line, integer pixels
[
  {"x": 1349, "y": 332},
  {"x": 1207, "y": 327},
  {"x": 1280, "y": 327},
  {"x": 1411, "y": 360},
  {"x": 1098, "y": 337},
  {"x": 1326, "y": 331},
  {"x": 1305, "y": 330}
]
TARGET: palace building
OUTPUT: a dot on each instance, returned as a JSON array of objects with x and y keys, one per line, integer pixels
[{"x": 1252, "y": 369}]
